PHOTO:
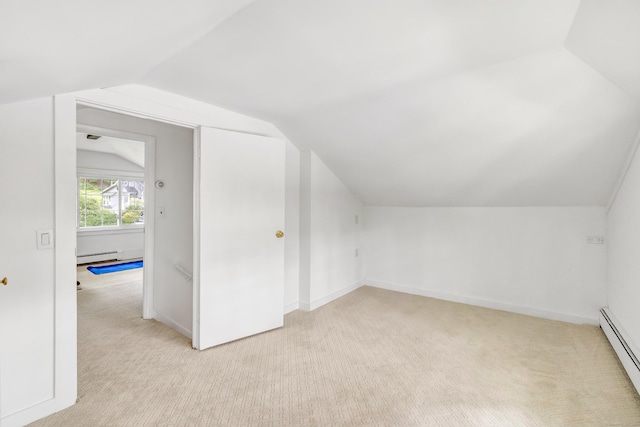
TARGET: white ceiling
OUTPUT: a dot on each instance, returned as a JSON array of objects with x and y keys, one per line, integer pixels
[
  {"x": 409, "y": 102},
  {"x": 49, "y": 47},
  {"x": 132, "y": 151},
  {"x": 288, "y": 57},
  {"x": 606, "y": 35}
]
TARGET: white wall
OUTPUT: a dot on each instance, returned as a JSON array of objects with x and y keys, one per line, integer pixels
[
  {"x": 27, "y": 302},
  {"x": 292, "y": 228},
  {"x": 624, "y": 256},
  {"x": 329, "y": 235},
  {"x": 528, "y": 260},
  {"x": 128, "y": 243},
  {"x": 172, "y": 294}
]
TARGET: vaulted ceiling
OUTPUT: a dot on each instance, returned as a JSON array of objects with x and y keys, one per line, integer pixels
[{"x": 409, "y": 102}]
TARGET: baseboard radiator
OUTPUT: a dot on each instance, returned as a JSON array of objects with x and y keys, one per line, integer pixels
[
  {"x": 622, "y": 345},
  {"x": 96, "y": 257}
]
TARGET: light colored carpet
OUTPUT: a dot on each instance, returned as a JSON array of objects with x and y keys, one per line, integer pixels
[{"x": 371, "y": 358}]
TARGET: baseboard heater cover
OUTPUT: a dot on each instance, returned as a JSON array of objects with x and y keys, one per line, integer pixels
[
  {"x": 620, "y": 344},
  {"x": 98, "y": 254},
  {"x": 97, "y": 257}
]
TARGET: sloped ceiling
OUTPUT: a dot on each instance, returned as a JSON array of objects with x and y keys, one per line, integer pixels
[
  {"x": 49, "y": 47},
  {"x": 606, "y": 35},
  {"x": 129, "y": 150},
  {"x": 409, "y": 102}
]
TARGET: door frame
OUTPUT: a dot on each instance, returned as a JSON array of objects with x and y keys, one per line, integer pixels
[
  {"x": 149, "y": 214},
  {"x": 136, "y": 101},
  {"x": 65, "y": 164}
]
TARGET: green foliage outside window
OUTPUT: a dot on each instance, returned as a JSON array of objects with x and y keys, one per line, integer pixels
[
  {"x": 92, "y": 214},
  {"x": 102, "y": 201},
  {"x": 132, "y": 213}
]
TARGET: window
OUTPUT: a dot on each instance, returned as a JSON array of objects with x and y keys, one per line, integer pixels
[{"x": 110, "y": 202}]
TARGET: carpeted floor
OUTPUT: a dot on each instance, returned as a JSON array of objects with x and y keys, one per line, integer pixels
[{"x": 371, "y": 358}]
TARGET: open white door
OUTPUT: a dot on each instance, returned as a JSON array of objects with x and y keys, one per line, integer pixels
[{"x": 239, "y": 261}]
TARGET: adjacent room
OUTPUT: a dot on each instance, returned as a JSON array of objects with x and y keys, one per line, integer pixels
[
  {"x": 110, "y": 205},
  {"x": 347, "y": 213}
]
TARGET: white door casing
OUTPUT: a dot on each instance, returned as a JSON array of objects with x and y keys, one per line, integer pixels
[
  {"x": 240, "y": 278},
  {"x": 54, "y": 272}
]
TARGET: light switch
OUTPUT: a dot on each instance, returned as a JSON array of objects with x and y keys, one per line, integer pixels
[{"x": 45, "y": 239}]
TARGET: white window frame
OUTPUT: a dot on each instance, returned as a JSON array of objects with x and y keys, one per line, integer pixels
[{"x": 106, "y": 174}]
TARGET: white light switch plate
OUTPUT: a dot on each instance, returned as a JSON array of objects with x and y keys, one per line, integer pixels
[{"x": 45, "y": 239}]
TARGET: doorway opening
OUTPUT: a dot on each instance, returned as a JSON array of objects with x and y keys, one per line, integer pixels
[
  {"x": 110, "y": 207},
  {"x": 135, "y": 202},
  {"x": 226, "y": 154}
]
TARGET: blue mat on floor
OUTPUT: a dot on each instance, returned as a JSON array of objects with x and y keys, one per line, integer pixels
[{"x": 104, "y": 269}]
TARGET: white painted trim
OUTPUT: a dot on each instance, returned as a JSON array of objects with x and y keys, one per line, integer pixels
[
  {"x": 495, "y": 305},
  {"x": 305, "y": 306},
  {"x": 102, "y": 231},
  {"x": 117, "y": 103},
  {"x": 149, "y": 176},
  {"x": 65, "y": 294},
  {"x": 304, "y": 271},
  {"x": 148, "y": 310},
  {"x": 96, "y": 258},
  {"x": 195, "y": 328},
  {"x": 198, "y": 113},
  {"x": 108, "y": 173},
  {"x": 331, "y": 297},
  {"x": 288, "y": 308},
  {"x": 630, "y": 367},
  {"x": 30, "y": 414},
  {"x": 172, "y": 324},
  {"x": 133, "y": 100},
  {"x": 624, "y": 171}
]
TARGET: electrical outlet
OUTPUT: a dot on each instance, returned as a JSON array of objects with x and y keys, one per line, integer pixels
[
  {"x": 595, "y": 240},
  {"x": 356, "y": 252}
]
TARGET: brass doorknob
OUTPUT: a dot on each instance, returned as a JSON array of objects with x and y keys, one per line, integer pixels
[
  {"x": 4, "y": 281},
  {"x": 279, "y": 234}
]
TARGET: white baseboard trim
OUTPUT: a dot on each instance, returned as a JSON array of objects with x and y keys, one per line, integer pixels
[
  {"x": 288, "y": 308},
  {"x": 621, "y": 342},
  {"x": 172, "y": 324},
  {"x": 484, "y": 303},
  {"x": 305, "y": 306},
  {"x": 30, "y": 414},
  {"x": 88, "y": 259},
  {"x": 131, "y": 254}
]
